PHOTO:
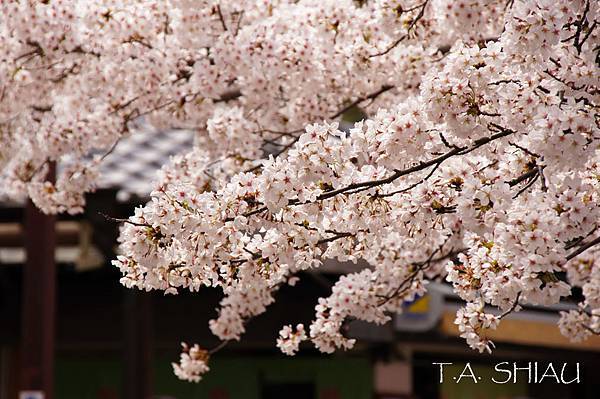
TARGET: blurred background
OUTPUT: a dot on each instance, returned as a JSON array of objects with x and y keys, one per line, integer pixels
[{"x": 69, "y": 330}]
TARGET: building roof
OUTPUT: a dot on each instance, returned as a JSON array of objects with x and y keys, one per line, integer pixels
[{"x": 132, "y": 165}]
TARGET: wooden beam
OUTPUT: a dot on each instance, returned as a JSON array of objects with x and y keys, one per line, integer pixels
[
  {"x": 68, "y": 233},
  {"x": 526, "y": 332}
]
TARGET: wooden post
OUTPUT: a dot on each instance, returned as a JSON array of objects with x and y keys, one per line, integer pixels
[
  {"x": 138, "y": 344},
  {"x": 38, "y": 306}
]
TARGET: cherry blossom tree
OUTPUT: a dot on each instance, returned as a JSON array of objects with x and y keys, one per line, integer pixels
[{"x": 477, "y": 160}]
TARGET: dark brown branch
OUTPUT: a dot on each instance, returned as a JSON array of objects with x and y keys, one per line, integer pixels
[
  {"x": 584, "y": 248},
  {"x": 36, "y": 51},
  {"x": 525, "y": 150},
  {"x": 218, "y": 10},
  {"x": 528, "y": 185},
  {"x": 335, "y": 237},
  {"x": 420, "y": 166},
  {"x": 580, "y": 25},
  {"x": 356, "y": 102},
  {"x": 512, "y": 308},
  {"x": 576, "y": 242},
  {"x": 570, "y": 85},
  {"x": 111, "y": 149},
  {"x": 40, "y": 108},
  {"x": 229, "y": 96},
  {"x": 590, "y": 30},
  {"x": 123, "y": 220},
  {"x": 139, "y": 40},
  {"x": 403, "y": 190},
  {"x": 503, "y": 81},
  {"x": 590, "y": 329},
  {"x": 445, "y": 141},
  {"x": 239, "y": 22},
  {"x": 358, "y": 187},
  {"x": 291, "y": 133},
  {"x": 523, "y": 177}
]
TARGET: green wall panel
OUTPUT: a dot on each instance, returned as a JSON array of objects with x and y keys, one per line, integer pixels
[{"x": 237, "y": 377}]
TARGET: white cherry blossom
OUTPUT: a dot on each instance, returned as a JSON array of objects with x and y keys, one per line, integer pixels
[{"x": 476, "y": 159}]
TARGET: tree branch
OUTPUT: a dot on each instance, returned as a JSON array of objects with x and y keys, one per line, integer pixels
[
  {"x": 512, "y": 308},
  {"x": 420, "y": 266},
  {"x": 408, "y": 31},
  {"x": 523, "y": 177},
  {"x": 371, "y": 96},
  {"x": 362, "y": 186},
  {"x": 218, "y": 10},
  {"x": 583, "y": 248},
  {"x": 105, "y": 216},
  {"x": 420, "y": 166}
]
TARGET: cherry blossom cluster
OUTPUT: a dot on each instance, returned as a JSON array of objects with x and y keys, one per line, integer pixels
[
  {"x": 193, "y": 363},
  {"x": 289, "y": 340},
  {"x": 583, "y": 322},
  {"x": 76, "y": 76},
  {"x": 476, "y": 160},
  {"x": 472, "y": 321}
]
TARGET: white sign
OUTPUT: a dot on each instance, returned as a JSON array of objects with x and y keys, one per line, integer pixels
[{"x": 31, "y": 395}]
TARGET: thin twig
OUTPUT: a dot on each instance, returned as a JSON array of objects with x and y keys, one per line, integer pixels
[
  {"x": 239, "y": 22},
  {"x": 403, "y": 190},
  {"x": 525, "y": 150},
  {"x": 420, "y": 266},
  {"x": 123, "y": 220},
  {"x": 217, "y": 348},
  {"x": 295, "y": 138},
  {"x": 529, "y": 184},
  {"x": 408, "y": 31},
  {"x": 371, "y": 96},
  {"x": 218, "y": 9},
  {"x": 111, "y": 149},
  {"x": 512, "y": 308}
]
